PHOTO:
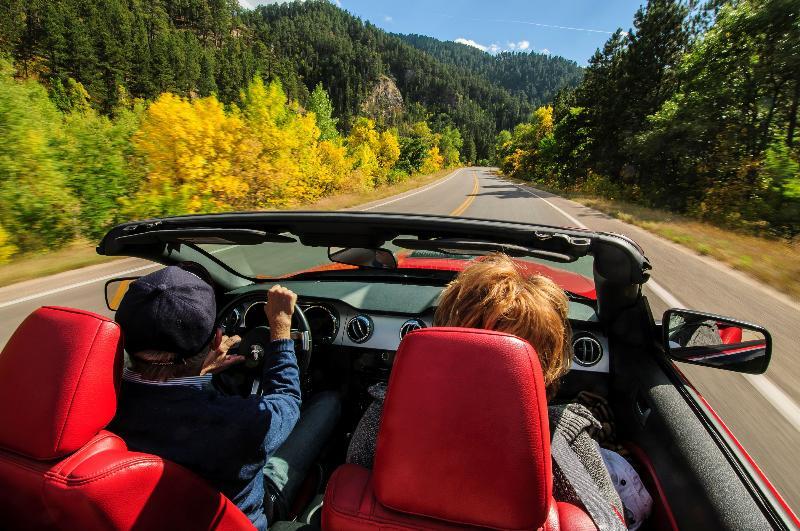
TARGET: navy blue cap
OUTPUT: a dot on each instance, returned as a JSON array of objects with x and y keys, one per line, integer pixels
[{"x": 171, "y": 310}]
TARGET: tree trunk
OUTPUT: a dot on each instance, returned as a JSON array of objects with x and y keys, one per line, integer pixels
[
  {"x": 773, "y": 103},
  {"x": 793, "y": 114}
]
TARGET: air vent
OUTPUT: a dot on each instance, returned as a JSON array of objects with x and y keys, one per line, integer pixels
[
  {"x": 359, "y": 328},
  {"x": 586, "y": 351},
  {"x": 410, "y": 326}
]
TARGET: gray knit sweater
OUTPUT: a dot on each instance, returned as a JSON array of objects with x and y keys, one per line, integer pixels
[{"x": 571, "y": 420}]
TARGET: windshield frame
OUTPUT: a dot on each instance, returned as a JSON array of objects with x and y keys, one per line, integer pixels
[{"x": 618, "y": 261}]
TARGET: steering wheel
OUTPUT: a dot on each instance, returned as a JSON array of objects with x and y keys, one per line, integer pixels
[{"x": 245, "y": 378}]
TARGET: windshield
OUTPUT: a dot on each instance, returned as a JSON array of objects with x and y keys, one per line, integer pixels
[{"x": 282, "y": 260}]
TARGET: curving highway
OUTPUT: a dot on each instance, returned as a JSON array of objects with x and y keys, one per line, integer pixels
[{"x": 762, "y": 411}]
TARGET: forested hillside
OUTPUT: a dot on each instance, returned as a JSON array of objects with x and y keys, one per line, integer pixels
[
  {"x": 535, "y": 76},
  {"x": 327, "y": 45},
  {"x": 694, "y": 109},
  {"x": 120, "y": 49}
]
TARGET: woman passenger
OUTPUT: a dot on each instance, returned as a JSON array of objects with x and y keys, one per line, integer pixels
[{"x": 496, "y": 294}]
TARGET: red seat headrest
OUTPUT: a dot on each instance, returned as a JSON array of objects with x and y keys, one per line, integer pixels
[
  {"x": 59, "y": 376},
  {"x": 464, "y": 435}
]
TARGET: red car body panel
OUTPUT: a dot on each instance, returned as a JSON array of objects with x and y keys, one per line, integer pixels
[
  {"x": 741, "y": 450},
  {"x": 567, "y": 280}
]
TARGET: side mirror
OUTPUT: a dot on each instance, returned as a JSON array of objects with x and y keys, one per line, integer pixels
[
  {"x": 116, "y": 288},
  {"x": 363, "y": 257},
  {"x": 715, "y": 341}
]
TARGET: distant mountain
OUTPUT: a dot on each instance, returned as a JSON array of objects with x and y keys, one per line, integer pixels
[
  {"x": 121, "y": 48},
  {"x": 535, "y": 76},
  {"x": 328, "y": 45}
]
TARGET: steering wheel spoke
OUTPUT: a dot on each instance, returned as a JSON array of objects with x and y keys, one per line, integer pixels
[
  {"x": 245, "y": 378},
  {"x": 303, "y": 336}
]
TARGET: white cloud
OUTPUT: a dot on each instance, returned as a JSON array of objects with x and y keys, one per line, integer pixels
[
  {"x": 491, "y": 48},
  {"x": 496, "y": 47},
  {"x": 387, "y": 18},
  {"x": 545, "y": 51},
  {"x": 470, "y": 42}
]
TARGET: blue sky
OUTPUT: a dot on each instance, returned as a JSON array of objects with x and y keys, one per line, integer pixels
[{"x": 570, "y": 28}]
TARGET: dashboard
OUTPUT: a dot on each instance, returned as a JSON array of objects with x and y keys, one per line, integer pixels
[{"x": 372, "y": 318}]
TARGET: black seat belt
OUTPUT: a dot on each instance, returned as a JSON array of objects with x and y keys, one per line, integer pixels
[{"x": 601, "y": 511}]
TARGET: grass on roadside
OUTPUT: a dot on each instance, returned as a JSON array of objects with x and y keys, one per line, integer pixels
[
  {"x": 348, "y": 200},
  {"x": 772, "y": 261},
  {"x": 82, "y": 253},
  {"x": 75, "y": 255}
]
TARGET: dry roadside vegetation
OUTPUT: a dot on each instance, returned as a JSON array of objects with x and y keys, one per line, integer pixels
[
  {"x": 75, "y": 255},
  {"x": 349, "y": 200},
  {"x": 772, "y": 261},
  {"x": 82, "y": 253}
]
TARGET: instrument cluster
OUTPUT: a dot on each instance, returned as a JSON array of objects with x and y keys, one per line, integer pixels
[{"x": 336, "y": 323}]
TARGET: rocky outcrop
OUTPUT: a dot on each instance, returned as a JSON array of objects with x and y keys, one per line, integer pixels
[{"x": 384, "y": 103}]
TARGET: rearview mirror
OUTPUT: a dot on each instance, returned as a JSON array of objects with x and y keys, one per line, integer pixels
[
  {"x": 116, "y": 288},
  {"x": 363, "y": 257},
  {"x": 715, "y": 341}
]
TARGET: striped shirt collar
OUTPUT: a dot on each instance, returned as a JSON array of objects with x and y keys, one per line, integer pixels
[{"x": 198, "y": 382}]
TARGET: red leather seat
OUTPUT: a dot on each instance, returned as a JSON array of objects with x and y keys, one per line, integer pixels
[
  {"x": 59, "y": 469},
  {"x": 464, "y": 442}
]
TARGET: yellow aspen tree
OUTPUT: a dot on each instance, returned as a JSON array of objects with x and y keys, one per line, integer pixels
[
  {"x": 188, "y": 147},
  {"x": 333, "y": 159},
  {"x": 388, "y": 150},
  {"x": 433, "y": 161},
  {"x": 264, "y": 162},
  {"x": 7, "y": 249},
  {"x": 374, "y": 154},
  {"x": 543, "y": 121},
  {"x": 363, "y": 133}
]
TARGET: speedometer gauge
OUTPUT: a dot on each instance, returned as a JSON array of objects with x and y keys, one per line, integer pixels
[{"x": 324, "y": 322}]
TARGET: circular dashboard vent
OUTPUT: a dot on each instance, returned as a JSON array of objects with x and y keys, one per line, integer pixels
[
  {"x": 359, "y": 328},
  {"x": 410, "y": 326},
  {"x": 586, "y": 351}
]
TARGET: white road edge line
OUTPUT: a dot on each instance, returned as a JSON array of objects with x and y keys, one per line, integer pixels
[
  {"x": 73, "y": 286},
  {"x": 787, "y": 407},
  {"x": 87, "y": 282},
  {"x": 782, "y": 402},
  {"x": 664, "y": 295},
  {"x": 575, "y": 221},
  {"x": 429, "y": 187}
]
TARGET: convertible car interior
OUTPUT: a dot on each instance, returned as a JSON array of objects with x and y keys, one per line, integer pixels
[{"x": 464, "y": 440}]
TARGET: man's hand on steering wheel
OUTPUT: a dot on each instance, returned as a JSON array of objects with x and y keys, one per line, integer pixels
[
  {"x": 218, "y": 359},
  {"x": 285, "y": 320},
  {"x": 279, "y": 310}
]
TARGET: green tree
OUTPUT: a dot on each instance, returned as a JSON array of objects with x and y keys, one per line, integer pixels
[
  {"x": 450, "y": 144},
  {"x": 95, "y": 156},
  {"x": 36, "y": 207},
  {"x": 320, "y": 104}
]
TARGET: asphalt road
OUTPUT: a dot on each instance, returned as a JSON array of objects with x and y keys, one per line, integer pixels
[{"x": 762, "y": 411}]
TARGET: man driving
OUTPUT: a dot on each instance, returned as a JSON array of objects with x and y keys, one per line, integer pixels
[{"x": 167, "y": 405}]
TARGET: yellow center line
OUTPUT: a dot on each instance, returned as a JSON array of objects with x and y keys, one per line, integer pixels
[
  {"x": 122, "y": 289},
  {"x": 468, "y": 201}
]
